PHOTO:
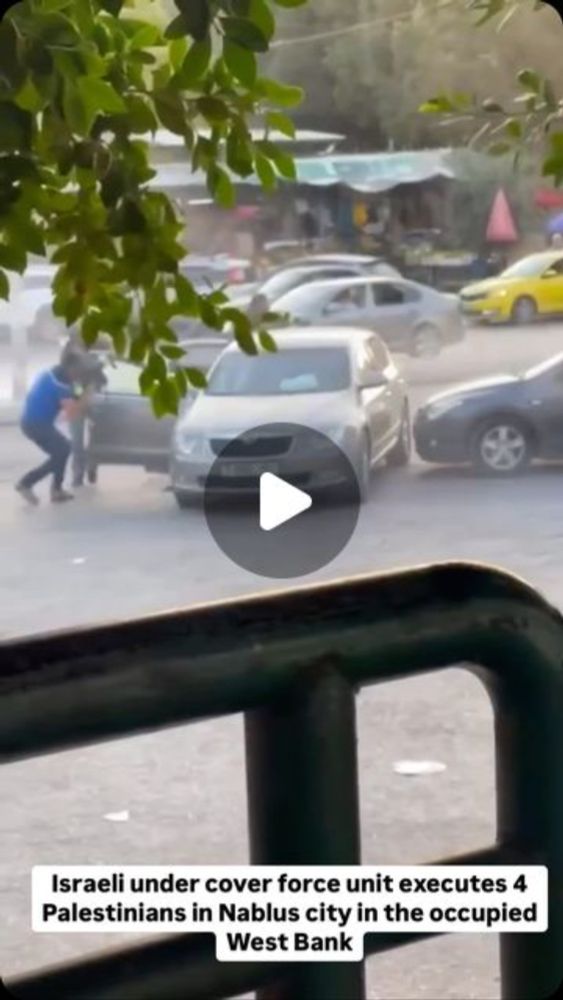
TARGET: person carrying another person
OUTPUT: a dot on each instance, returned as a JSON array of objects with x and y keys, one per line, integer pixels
[
  {"x": 91, "y": 380},
  {"x": 52, "y": 393}
]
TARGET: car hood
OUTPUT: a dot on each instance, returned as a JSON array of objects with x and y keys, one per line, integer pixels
[
  {"x": 488, "y": 285},
  {"x": 475, "y": 388},
  {"x": 233, "y": 415}
]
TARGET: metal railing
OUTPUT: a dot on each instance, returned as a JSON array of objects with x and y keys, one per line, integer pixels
[{"x": 293, "y": 663}]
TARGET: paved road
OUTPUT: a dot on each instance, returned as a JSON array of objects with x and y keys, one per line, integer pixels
[{"x": 123, "y": 549}]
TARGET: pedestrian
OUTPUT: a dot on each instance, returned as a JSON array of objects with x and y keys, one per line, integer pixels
[
  {"x": 92, "y": 379},
  {"x": 53, "y": 391}
]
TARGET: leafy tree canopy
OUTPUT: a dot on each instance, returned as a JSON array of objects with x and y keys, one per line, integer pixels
[{"x": 83, "y": 84}]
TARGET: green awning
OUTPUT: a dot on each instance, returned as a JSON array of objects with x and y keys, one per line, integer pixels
[{"x": 368, "y": 173}]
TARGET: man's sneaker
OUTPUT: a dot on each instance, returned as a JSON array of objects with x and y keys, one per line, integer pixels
[
  {"x": 27, "y": 493},
  {"x": 61, "y": 496}
]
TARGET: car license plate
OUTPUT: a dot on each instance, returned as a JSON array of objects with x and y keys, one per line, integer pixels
[{"x": 233, "y": 470}]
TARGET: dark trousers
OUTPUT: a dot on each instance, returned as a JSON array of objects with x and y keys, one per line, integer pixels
[
  {"x": 78, "y": 441},
  {"x": 55, "y": 445}
]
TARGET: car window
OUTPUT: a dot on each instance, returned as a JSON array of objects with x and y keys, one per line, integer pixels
[
  {"x": 557, "y": 266},
  {"x": 351, "y": 297},
  {"x": 289, "y": 372},
  {"x": 387, "y": 294},
  {"x": 122, "y": 378}
]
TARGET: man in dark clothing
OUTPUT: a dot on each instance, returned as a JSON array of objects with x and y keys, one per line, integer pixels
[
  {"x": 92, "y": 379},
  {"x": 43, "y": 404}
]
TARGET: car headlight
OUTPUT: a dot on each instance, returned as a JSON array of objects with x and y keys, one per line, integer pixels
[
  {"x": 439, "y": 408},
  {"x": 189, "y": 444},
  {"x": 335, "y": 434}
]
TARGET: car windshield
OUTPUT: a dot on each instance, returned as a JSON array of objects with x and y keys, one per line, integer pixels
[
  {"x": 526, "y": 268},
  {"x": 282, "y": 282},
  {"x": 286, "y": 373}
]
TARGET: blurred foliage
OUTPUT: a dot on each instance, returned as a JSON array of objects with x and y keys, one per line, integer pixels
[
  {"x": 83, "y": 84},
  {"x": 376, "y": 59}
]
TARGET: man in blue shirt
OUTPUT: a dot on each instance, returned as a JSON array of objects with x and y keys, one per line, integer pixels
[{"x": 43, "y": 404}]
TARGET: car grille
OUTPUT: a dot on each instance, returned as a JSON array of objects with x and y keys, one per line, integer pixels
[{"x": 253, "y": 447}]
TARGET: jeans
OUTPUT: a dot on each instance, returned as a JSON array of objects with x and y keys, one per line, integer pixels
[{"x": 56, "y": 446}]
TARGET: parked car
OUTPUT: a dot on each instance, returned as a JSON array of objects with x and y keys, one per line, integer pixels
[
  {"x": 122, "y": 427},
  {"x": 258, "y": 298},
  {"x": 341, "y": 382},
  {"x": 531, "y": 288},
  {"x": 499, "y": 424},
  {"x": 410, "y": 318}
]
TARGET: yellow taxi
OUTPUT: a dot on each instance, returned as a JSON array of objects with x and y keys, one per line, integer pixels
[{"x": 530, "y": 288}]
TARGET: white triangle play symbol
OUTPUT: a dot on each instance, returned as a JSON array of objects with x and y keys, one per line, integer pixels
[{"x": 280, "y": 501}]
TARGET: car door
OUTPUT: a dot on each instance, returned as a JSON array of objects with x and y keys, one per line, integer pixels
[
  {"x": 346, "y": 306},
  {"x": 393, "y": 312},
  {"x": 551, "y": 297},
  {"x": 123, "y": 429},
  {"x": 545, "y": 404},
  {"x": 374, "y": 400},
  {"x": 394, "y": 395}
]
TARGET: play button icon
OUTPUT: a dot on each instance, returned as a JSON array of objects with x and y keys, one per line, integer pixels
[{"x": 280, "y": 501}]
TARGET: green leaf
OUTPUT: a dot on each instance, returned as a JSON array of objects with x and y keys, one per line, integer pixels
[
  {"x": 530, "y": 79},
  {"x": 438, "y": 105},
  {"x": 195, "y": 64},
  {"x": 290, "y": 3},
  {"x": 29, "y": 98},
  {"x": 278, "y": 93},
  {"x": 172, "y": 351},
  {"x": 101, "y": 95},
  {"x": 187, "y": 297},
  {"x": 513, "y": 128},
  {"x": 221, "y": 186},
  {"x": 265, "y": 172},
  {"x": 258, "y": 11},
  {"x": 283, "y": 162},
  {"x": 281, "y": 123},
  {"x": 267, "y": 342},
  {"x": 148, "y": 35},
  {"x": 196, "y": 15},
  {"x": 13, "y": 258},
  {"x": 4, "y": 286},
  {"x": 240, "y": 62},
  {"x": 213, "y": 108},
  {"x": 170, "y": 110},
  {"x": 244, "y": 33},
  {"x": 196, "y": 378},
  {"x": 245, "y": 340}
]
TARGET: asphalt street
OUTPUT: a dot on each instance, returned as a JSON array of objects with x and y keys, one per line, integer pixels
[{"x": 123, "y": 549}]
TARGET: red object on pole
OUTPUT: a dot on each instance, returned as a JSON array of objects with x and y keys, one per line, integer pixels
[
  {"x": 548, "y": 198},
  {"x": 501, "y": 227}
]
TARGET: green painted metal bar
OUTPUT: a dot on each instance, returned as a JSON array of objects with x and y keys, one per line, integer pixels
[
  {"x": 255, "y": 655},
  {"x": 303, "y": 803}
]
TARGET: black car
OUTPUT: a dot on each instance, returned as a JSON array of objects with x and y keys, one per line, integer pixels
[{"x": 499, "y": 425}]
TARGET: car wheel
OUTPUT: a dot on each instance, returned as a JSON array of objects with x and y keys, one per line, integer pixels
[
  {"x": 524, "y": 310},
  {"x": 426, "y": 342},
  {"x": 401, "y": 451},
  {"x": 502, "y": 447},
  {"x": 183, "y": 500}
]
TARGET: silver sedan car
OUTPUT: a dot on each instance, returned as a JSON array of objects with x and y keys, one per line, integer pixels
[
  {"x": 341, "y": 383},
  {"x": 411, "y": 318}
]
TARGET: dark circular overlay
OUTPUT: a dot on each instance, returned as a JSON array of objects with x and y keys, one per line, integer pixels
[{"x": 303, "y": 458}]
